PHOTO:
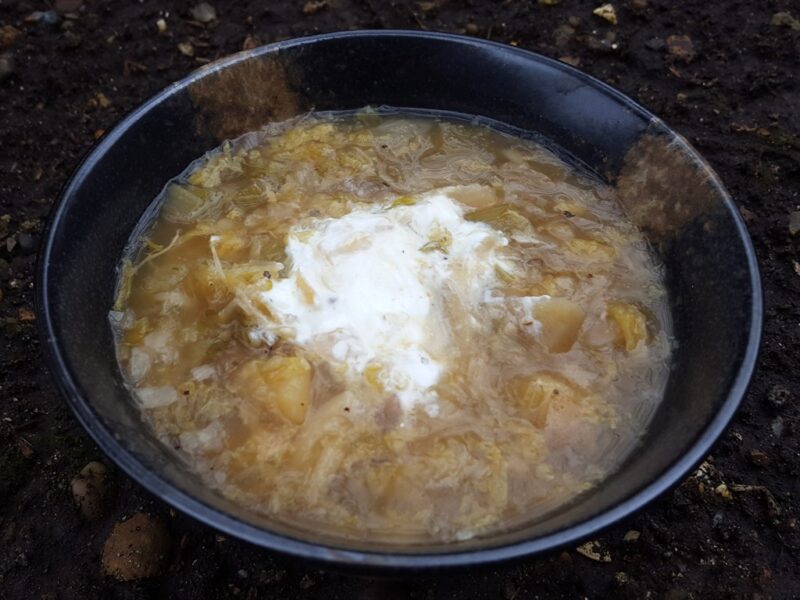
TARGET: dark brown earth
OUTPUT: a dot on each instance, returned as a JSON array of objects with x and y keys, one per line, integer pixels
[{"x": 724, "y": 74}]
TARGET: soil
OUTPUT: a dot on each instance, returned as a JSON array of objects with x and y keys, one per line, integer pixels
[{"x": 725, "y": 75}]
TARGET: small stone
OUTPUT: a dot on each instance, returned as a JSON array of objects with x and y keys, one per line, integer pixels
[
  {"x": 655, "y": 43},
  {"x": 549, "y": 2},
  {"x": 136, "y": 549},
  {"x": 89, "y": 490},
  {"x": 161, "y": 25},
  {"x": 67, "y": 6},
  {"x": 7, "y": 66},
  {"x": 794, "y": 222},
  {"x": 563, "y": 34},
  {"x": 607, "y": 12},
  {"x": 24, "y": 446},
  {"x": 785, "y": 19},
  {"x": 471, "y": 28},
  {"x": 46, "y": 17},
  {"x": 9, "y": 35},
  {"x": 759, "y": 458},
  {"x": 102, "y": 100},
  {"x": 681, "y": 47},
  {"x": 723, "y": 492},
  {"x": 631, "y": 536},
  {"x": 748, "y": 215},
  {"x": 621, "y": 578},
  {"x": 250, "y": 42},
  {"x": 26, "y": 315},
  {"x": 186, "y": 49},
  {"x": 777, "y": 427},
  {"x": 314, "y": 6},
  {"x": 638, "y": 4},
  {"x": 203, "y": 13},
  {"x": 27, "y": 243},
  {"x": 243, "y": 574},
  {"x": 778, "y": 395},
  {"x": 571, "y": 60},
  {"x": 594, "y": 551}
]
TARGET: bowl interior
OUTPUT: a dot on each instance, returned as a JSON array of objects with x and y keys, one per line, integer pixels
[{"x": 667, "y": 188}]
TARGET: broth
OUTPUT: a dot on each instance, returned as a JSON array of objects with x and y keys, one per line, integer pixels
[{"x": 392, "y": 326}]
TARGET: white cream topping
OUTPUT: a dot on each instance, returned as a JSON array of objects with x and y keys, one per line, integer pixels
[{"x": 364, "y": 290}]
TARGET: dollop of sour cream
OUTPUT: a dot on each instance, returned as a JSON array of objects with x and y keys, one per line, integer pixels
[{"x": 375, "y": 289}]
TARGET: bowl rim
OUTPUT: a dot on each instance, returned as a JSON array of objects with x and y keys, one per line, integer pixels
[{"x": 368, "y": 559}]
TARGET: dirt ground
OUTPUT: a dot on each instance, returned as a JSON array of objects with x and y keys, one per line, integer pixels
[{"x": 71, "y": 68}]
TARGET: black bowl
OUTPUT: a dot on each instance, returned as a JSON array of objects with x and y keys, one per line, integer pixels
[{"x": 668, "y": 189}]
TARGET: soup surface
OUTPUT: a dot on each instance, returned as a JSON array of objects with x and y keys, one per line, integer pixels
[{"x": 392, "y": 326}]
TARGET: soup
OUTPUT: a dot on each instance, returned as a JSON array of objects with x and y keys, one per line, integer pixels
[{"x": 392, "y": 326}]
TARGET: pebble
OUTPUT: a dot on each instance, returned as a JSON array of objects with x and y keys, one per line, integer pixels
[
  {"x": 723, "y": 492},
  {"x": 785, "y": 19},
  {"x": 631, "y": 536},
  {"x": 89, "y": 490},
  {"x": 250, "y": 42},
  {"x": 27, "y": 243},
  {"x": 46, "y": 17},
  {"x": 794, "y": 222},
  {"x": 777, "y": 427},
  {"x": 681, "y": 47},
  {"x": 9, "y": 36},
  {"x": 607, "y": 12},
  {"x": 186, "y": 49},
  {"x": 778, "y": 395},
  {"x": 759, "y": 458},
  {"x": 203, "y": 13},
  {"x": 594, "y": 551},
  {"x": 137, "y": 548},
  {"x": 7, "y": 66},
  {"x": 314, "y": 6},
  {"x": 655, "y": 43}
]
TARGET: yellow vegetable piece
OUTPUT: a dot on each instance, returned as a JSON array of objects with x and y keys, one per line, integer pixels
[
  {"x": 561, "y": 321},
  {"x": 372, "y": 375},
  {"x": 403, "y": 201},
  {"x": 631, "y": 322},
  {"x": 536, "y": 395},
  {"x": 499, "y": 216},
  {"x": 592, "y": 249},
  {"x": 280, "y": 384},
  {"x": 209, "y": 286},
  {"x": 135, "y": 335}
]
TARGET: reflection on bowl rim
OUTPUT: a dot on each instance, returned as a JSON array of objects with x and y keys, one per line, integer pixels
[{"x": 410, "y": 557}]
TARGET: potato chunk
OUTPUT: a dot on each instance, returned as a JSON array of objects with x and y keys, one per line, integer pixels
[
  {"x": 561, "y": 321},
  {"x": 280, "y": 384},
  {"x": 535, "y": 395},
  {"x": 631, "y": 323}
]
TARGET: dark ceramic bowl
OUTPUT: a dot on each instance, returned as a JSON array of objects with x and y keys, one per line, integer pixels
[{"x": 668, "y": 189}]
